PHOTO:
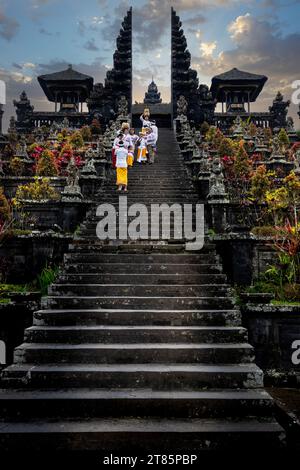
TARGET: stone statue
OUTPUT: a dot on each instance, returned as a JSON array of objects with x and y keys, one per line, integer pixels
[
  {"x": 123, "y": 106},
  {"x": 217, "y": 192},
  {"x": 24, "y": 111},
  {"x": 290, "y": 124},
  {"x": 238, "y": 130},
  {"x": 65, "y": 123},
  {"x": 72, "y": 190},
  {"x": 290, "y": 128},
  {"x": 198, "y": 137},
  {"x": 89, "y": 166},
  {"x": 12, "y": 126},
  {"x": 22, "y": 149},
  {"x": 182, "y": 106},
  {"x": 100, "y": 149},
  {"x": 277, "y": 153}
]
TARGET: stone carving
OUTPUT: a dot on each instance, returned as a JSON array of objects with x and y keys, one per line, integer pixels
[
  {"x": 279, "y": 110},
  {"x": 217, "y": 191},
  {"x": 24, "y": 111},
  {"x": 21, "y": 151},
  {"x": 198, "y": 137},
  {"x": 65, "y": 124},
  {"x": 89, "y": 166},
  {"x": 123, "y": 106},
  {"x": 12, "y": 126},
  {"x": 72, "y": 190},
  {"x": 182, "y": 106},
  {"x": 238, "y": 130},
  {"x": 277, "y": 154},
  {"x": 291, "y": 129}
]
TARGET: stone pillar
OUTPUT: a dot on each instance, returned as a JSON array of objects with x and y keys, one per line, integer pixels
[{"x": 217, "y": 198}]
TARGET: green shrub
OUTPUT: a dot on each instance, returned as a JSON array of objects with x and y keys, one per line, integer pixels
[{"x": 46, "y": 278}]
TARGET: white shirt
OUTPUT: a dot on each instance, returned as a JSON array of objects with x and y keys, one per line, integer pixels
[
  {"x": 134, "y": 138},
  {"x": 145, "y": 122},
  {"x": 116, "y": 143},
  {"x": 142, "y": 144},
  {"x": 121, "y": 154},
  {"x": 127, "y": 141},
  {"x": 155, "y": 131},
  {"x": 151, "y": 139}
]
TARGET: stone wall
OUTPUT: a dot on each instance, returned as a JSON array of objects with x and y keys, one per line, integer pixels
[
  {"x": 244, "y": 256},
  {"x": 14, "y": 318},
  {"x": 272, "y": 332},
  {"x": 24, "y": 257}
]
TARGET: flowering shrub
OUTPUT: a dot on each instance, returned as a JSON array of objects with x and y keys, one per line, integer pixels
[
  {"x": 5, "y": 211},
  {"x": 260, "y": 183},
  {"x": 76, "y": 140},
  {"x": 47, "y": 165},
  {"x": 17, "y": 166},
  {"x": 86, "y": 133},
  {"x": 39, "y": 190}
]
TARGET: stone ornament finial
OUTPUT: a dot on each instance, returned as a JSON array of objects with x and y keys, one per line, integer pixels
[{"x": 182, "y": 106}]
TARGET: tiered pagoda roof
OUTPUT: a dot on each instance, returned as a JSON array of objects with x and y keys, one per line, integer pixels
[{"x": 152, "y": 96}]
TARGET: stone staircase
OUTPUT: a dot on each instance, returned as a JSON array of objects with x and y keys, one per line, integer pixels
[{"x": 139, "y": 346}]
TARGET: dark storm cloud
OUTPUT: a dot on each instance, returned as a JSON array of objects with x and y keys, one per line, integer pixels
[
  {"x": 17, "y": 66},
  {"x": 90, "y": 45},
  {"x": 259, "y": 48},
  {"x": 152, "y": 19},
  {"x": 8, "y": 26}
]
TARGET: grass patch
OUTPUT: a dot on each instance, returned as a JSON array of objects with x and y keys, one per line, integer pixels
[
  {"x": 46, "y": 278},
  {"x": 285, "y": 303}
]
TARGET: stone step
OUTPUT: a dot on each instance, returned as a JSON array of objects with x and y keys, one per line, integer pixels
[
  {"x": 156, "y": 376},
  {"x": 139, "y": 290},
  {"x": 84, "y": 403},
  {"x": 144, "y": 279},
  {"x": 135, "y": 334},
  {"x": 84, "y": 246},
  {"x": 125, "y": 317},
  {"x": 139, "y": 302},
  {"x": 153, "y": 258},
  {"x": 119, "y": 436},
  {"x": 148, "y": 198},
  {"x": 176, "y": 187},
  {"x": 141, "y": 353},
  {"x": 142, "y": 268}
]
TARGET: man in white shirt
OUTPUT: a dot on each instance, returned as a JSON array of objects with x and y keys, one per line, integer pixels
[{"x": 121, "y": 165}]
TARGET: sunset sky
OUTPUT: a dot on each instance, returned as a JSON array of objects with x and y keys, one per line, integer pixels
[{"x": 42, "y": 36}]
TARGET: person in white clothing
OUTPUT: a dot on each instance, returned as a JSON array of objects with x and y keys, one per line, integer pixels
[
  {"x": 151, "y": 143},
  {"x": 154, "y": 130},
  {"x": 121, "y": 165},
  {"x": 142, "y": 148},
  {"x": 145, "y": 121},
  {"x": 116, "y": 143}
]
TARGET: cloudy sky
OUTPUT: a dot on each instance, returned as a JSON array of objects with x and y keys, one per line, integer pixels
[{"x": 42, "y": 36}]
